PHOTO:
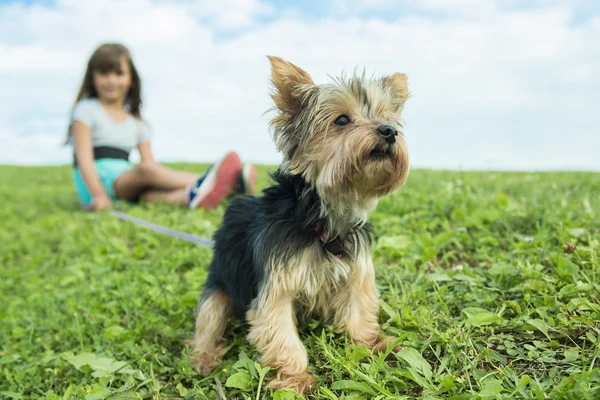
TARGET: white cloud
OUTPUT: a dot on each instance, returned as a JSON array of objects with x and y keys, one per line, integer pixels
[
  {"x": 498, "y": 88},
  {"x": 463, "y": 7},
  {"x": 230, "y": 14}
]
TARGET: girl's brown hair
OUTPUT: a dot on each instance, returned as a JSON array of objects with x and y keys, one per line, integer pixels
[{"x": 107, "y": 58}]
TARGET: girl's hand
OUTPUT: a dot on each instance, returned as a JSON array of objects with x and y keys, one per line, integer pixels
[{"x": 100, "y": 203}]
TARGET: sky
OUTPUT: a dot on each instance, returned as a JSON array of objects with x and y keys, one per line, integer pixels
[{"x": 496, "y": 84}]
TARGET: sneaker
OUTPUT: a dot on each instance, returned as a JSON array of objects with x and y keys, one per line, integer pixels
[
  {"x": 247, "y": 180},
  {"x": 216, "y": 184}
]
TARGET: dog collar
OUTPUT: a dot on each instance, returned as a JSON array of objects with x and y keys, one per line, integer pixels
[{"x": 335, "y": 247}]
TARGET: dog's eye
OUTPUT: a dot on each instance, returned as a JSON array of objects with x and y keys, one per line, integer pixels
[{"x": 342, "y": 120}]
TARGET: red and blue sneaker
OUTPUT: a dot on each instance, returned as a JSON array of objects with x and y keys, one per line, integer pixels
[{"x": 217, "y": 183}]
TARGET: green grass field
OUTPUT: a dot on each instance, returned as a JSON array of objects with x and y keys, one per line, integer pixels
[{"x": 471, "y": 269}]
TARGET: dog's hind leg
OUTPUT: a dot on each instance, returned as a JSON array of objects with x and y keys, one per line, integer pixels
[{"x": 212, "y": 317}]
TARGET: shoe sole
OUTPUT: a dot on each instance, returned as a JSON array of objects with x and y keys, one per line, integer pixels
[
  {"x": 249, "y": 177},
  {"x": 219, "y": 182}
]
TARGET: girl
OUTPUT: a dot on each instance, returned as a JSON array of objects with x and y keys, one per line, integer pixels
[{"x": 106, "y": 124}]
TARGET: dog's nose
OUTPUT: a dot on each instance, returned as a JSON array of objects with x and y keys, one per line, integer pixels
[{"x": 388, "y": 133}]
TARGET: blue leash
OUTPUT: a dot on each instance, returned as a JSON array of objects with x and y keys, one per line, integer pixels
[{"x": 161, "y": 229}]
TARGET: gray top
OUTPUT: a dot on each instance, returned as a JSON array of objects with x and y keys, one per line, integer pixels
[{"x": 106, "y": 131}]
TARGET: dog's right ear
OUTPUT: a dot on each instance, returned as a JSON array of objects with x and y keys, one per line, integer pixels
[
  {"x": 398, "y": 83},
  {"x": 290, "y": 83}
]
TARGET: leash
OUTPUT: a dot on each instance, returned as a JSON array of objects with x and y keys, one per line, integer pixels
[{"x": 161, "y": 229}]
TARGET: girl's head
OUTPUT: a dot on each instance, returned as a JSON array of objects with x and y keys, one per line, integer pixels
[{"x": 112, "y": 76}]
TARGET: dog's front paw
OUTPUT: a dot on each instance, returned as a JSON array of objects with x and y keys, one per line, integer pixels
[
  {"x": 205, "y": 362},
  {"x": 301, "y": 383},
  {"x": 381, "y": 344}
]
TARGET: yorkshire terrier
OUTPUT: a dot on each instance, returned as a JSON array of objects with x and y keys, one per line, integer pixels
[{"x": 305, "y": 246}]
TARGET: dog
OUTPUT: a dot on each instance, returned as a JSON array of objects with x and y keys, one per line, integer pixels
[{"x": 304, "y": 247}]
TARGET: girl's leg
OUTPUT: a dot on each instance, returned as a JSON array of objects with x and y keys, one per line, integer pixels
[
  {"x": 206, "y": 191},
  {"x": 145, "y": 176}
]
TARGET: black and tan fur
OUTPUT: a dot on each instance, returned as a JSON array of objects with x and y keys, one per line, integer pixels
[{"x": 304, "y": 246}]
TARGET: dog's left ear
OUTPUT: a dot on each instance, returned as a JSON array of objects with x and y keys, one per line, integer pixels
[
  {"x": 398, "y": 84},
  {"x": 290, "y": 83}
]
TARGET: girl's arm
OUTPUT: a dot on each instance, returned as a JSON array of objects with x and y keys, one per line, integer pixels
[
  {"x": 145, "y": 151},
  {"x": 82, "y": 137}
]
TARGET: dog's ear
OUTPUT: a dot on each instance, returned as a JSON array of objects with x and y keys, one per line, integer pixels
[
  {"x": 290, "y": 83},
  {"x": 398, "y": 84}
]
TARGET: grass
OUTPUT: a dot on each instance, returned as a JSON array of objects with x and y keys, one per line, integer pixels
[{"x": 473, "y": 277}]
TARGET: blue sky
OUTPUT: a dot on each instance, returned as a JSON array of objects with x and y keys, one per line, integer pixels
[
  {"x": 582, "y": 10},
  {"x": 496, "y": 84}
]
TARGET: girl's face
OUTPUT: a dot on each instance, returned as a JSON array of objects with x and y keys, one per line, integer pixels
[{"x": 113, "y": 86}]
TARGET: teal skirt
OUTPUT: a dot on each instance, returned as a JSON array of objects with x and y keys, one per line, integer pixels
[{"x": 108, "y": 170}]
